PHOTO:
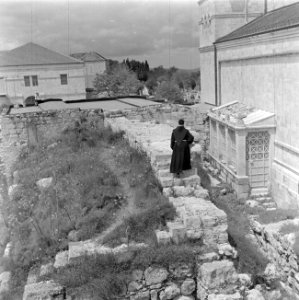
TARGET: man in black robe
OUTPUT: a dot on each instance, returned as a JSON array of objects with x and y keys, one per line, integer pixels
[{"x": 181, "y": 138}]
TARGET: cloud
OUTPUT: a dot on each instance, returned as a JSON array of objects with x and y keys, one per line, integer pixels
[{"x": 113, "y": 28}]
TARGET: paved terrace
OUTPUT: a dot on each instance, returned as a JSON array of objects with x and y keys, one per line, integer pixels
[{"x": 197, "y": 217}]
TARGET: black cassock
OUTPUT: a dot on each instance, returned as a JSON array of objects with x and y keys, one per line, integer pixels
[{"x": 180, "y": 140}]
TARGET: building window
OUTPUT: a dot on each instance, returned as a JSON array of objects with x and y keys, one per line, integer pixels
[
  {"x": 34, "y": 80},
  {"x": 27, "y": 80},
  {"x": 63, "y": 79}
]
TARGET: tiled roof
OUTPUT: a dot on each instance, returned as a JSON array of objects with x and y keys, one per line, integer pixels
[
  {"x": 33, "y": 54},
  {"x": 88, "y": 56},
  {"x": 278, "y": 19}
]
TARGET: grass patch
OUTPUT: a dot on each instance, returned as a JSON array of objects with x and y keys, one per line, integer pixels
[
  {"x": 140, "y": 227},
  {"x": 267, "y": 217},
  {"x": 83, "y": 196},
  {"x": 251, "y": 260}
]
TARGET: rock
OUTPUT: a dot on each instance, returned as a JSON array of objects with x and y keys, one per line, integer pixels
[
  {"x": 208, "y": 257},
  {"x": 184, "y": 298},
  {"x": 181, "y": 270},
  {"x": 252, "y": 203},
  {"x": 44, "y": 183},
  {"x": 170, "y": 292},
  {"x": 188, "y": 287},
  {"x": 163, "y": 237},
  {"x": 52, "y": 146},
  {"x": 14, "y": 191},
  {"x": 168, "y": 192},
  {"x": 254, "y": 295},
  {"x": 134, "y": 286},
  {"x": 271, "y": 273},
  {"x": 46, "y": 269},
  {"x": 61, "y": 259},
  {"x": 143, "y": 295},
  {"x": 43, "y": 290},
  {"x": 227, "y": 250},
  {"x": 16, "y": 177},
  {"x": 181, "y": 191},
  {"x": 245, "y": 279},
  {"x": 4, "y": 281},
  {"x": 137, "y": 275},
  {"x": 7, "y": 250},
  {"x": 73, "y": 236},
  {"x": 235, "y": 296},
  {"x": 200, "y": 192},
  {"x": 154, "y": 294},
  {"x": 273, "y": 295},
  {"x": 222, "y": 270},
  {"x": 155, "y": 275}
]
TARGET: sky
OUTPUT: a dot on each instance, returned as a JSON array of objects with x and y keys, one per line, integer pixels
[{"x": 163, "y": 32}]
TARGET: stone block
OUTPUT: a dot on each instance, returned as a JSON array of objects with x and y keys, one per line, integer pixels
[
  {"x": 193, "y": 181},
  {"x": 188, "y": 286},
  {"x": 177, "y": 231},
  {"x": 134, "y": 286},
  {"x": 167, "y": 192},
  {"x": 200, "y": 192},
  {"x": 235, "y": 296},
  {"x": 223, "y": 270},
  {"x": 166, "y": 181},
  {"x": 43, "y": 290},
  {"x": 154, "y": 295},
  {"x": 163, "y": 237},
  {"x": 44, "y": 183},
  {"x": 142, "y": 295},
  {"x": 61, "y": 259},
  {"x": 170, "y": 292},
  {"x": 46, "y": 269},
  {"x": 254, "y": 294},
  {"x": 182, "y": 297},
  {"x": 194, "y": 234},
  {"x": 181, "y": 191},
  {"x": 155, "y": 275},
  {"x": 5, "y": 278},
  {"x": 177, "y": 202},
  {"x": 208, "y": 257},
  {"x": 181, "y": 270}
]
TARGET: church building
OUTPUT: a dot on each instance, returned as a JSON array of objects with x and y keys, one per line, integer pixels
[{"x": 249, "y": 56}]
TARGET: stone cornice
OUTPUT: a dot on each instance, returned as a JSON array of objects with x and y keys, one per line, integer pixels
[
  {"x": 206, "y": 49},
  {"x": 260, "y": 38}
]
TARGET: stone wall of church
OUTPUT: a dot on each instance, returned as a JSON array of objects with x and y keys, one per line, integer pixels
[{"x": 263, "y": 71}]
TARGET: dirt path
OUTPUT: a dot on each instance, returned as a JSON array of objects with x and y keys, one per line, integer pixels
[{"x": 109, "y": 157}]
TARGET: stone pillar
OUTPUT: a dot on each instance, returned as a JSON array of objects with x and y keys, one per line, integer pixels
[{"x": 241, "y": 152}]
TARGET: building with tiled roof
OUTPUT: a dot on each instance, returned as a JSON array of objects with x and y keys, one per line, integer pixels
[
  {"x": 35, "y": 71},
  {"x": 256, "y": 65},
  {"x": 94, "y": 64}
]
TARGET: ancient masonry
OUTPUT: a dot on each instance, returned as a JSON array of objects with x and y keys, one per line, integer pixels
[{"x": 198, "y": 218}]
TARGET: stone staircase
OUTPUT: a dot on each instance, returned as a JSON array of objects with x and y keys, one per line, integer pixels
[
  {"x": 197, "y": 217},
  {"x": 264, "y": 201}
]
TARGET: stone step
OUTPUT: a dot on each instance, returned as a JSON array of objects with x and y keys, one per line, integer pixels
[
  {"x": 259, "y": 192},
  {"x": 160, "y": 157},
  {"x": 271, "y": 208},
  {"x": 269, "y": 204},
  {"x": 177, "y": 231},
  {"x": 193, "y": 180}
]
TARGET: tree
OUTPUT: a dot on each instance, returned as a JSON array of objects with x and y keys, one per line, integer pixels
[
  {"x": 118, "y": 82},
  {"x": 170, "y": 91}
]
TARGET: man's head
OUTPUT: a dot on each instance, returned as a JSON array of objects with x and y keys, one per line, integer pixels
[{"x": 181, "y": 122}]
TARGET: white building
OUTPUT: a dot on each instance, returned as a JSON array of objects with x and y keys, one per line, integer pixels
[
  {"x": 32, "y": 70},
  {"x": 257, "y": 65},
  {"x": 94, "y": 64}
]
